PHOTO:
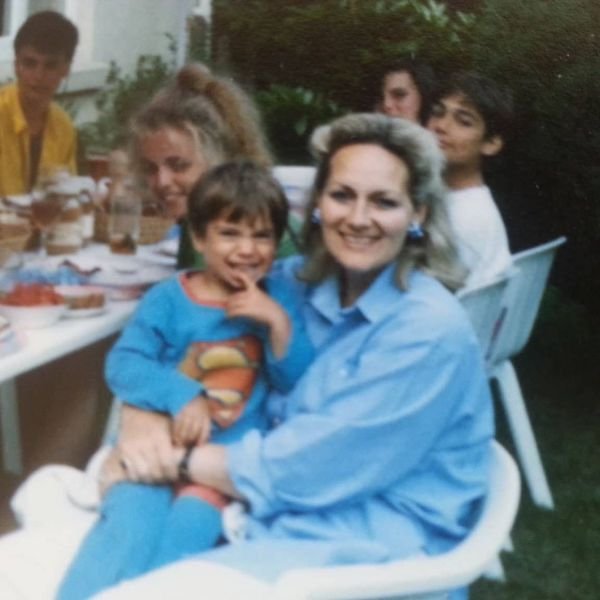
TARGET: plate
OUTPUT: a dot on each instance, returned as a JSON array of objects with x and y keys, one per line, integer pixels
[
  {"x": 118, "y": 293},
  {"x": 124, "y": 265},
  {"x": 84, "y": 313},
  {"x": 153, "y": 255},
  {"x": 6, "y": 331},
  {"x": 19, "y": 201},
  {"x": 116, "y": 272},
  {"x": 168, "y": 247},
  {"x": 33, "y": 317},
  {"x": 146, "y": 275},
  {"x": 81, "y": 295}
]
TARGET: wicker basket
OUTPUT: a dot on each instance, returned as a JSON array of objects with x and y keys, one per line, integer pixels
[
  {"x": 15, "y": 243},
  {"x": 152, "y": 229},
  {"x": 14, "y": 232}
]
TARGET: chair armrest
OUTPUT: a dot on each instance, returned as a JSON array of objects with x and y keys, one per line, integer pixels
[{"x": 454, "y": 569}]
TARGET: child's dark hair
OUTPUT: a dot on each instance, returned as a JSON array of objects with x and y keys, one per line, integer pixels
[
  {"x": 237, "y": 190},
  {"x": 48, "y": 32},
  {"x": 493, "y": 101}
]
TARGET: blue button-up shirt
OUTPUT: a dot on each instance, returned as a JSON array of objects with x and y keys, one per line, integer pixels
[{"x": 383, "y": 445}]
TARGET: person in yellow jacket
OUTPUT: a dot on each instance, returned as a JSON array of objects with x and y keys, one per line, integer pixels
[{"x": 35, "y": 133}]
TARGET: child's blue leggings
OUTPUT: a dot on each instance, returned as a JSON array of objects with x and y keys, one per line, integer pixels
[{"x": 140, "y": 528}]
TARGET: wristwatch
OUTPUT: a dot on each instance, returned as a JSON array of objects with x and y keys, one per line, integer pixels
[{"x": 183, "y": 467}]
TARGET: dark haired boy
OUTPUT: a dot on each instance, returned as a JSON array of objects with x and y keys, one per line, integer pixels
[
  {"x": 471, "y": 117},
  {"x": 35, "y": 133}
]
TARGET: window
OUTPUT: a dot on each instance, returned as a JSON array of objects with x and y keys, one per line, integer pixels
[{"x": 12, "y": 14}]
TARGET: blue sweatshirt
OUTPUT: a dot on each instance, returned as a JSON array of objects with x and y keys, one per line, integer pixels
[{"x": 176, "y": 347}]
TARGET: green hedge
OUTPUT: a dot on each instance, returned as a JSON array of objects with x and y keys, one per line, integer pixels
[
  {"x": 333, "y": 47},
  {"x": 548, "y": 52}
]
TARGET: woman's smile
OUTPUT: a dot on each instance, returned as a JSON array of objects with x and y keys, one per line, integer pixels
[
  {"x": 365, "y": 208},
  {"x": 359, "y": 241},
  {"x": 232, "y": 249},
  {"x": 172, "y": 162}
]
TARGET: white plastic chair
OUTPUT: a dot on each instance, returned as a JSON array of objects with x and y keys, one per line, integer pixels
[
  {"x": 484, "y": 305},
  {"x": 422, "y": 577},
  {"x": 296, "y": 182},
  {"x": 523, "y": 298}
]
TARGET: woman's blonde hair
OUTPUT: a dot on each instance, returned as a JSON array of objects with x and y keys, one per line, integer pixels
[
  {"x": 214, "y": 110},
  {"x": 435, "y": 253}
]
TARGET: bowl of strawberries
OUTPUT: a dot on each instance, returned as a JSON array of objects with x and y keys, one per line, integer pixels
[{"x": 32, "y": 305}]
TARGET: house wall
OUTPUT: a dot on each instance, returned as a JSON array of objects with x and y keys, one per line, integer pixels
[
  {"x": 120, "y": 31},
  {"x": 110, "y": 30},
  {"x": 125, "y": 30}
]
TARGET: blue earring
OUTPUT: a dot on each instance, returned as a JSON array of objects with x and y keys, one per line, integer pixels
[
  {"x": 315, "y": 216},
  {"x": 415, "y": 231}
]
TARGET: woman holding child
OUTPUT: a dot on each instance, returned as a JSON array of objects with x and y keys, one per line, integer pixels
[{"x": 381, "y": 449}]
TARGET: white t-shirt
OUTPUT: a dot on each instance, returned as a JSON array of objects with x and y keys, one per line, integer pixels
[{"x": 480, "y": 233}]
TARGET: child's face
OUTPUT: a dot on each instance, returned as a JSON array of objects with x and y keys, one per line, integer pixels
[
  {"x": 461, "y": 134},
  {"x": 231, "y": 248}
]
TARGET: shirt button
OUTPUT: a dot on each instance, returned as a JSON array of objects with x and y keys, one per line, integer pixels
[{"x": 344, "y": 372}]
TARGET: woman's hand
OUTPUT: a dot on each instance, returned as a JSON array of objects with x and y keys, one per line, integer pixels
[{"x": 145, "y": 450}]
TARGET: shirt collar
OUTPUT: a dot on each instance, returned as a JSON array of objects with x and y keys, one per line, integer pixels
[
  {"x": 18, "y": 118},
  {"x": 380, "y": 297}
]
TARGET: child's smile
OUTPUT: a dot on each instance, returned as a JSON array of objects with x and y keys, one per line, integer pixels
[{"x": 232, "y": 249}]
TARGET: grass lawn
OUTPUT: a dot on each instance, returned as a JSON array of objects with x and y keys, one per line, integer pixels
[{"x": 555, "y": 552}]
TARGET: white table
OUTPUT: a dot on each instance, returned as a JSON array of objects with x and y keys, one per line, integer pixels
[{"x": 41, "y": 346}]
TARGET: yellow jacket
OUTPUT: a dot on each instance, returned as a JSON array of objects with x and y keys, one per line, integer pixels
[{"x": 59, "y": 142}]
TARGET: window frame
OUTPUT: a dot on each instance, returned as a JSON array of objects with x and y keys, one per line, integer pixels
[{"x": 16, "y": 13}]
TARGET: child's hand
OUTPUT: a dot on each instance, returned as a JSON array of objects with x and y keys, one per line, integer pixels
[
  {"x": 253, "y": 303},
  {"x": 192, "y": 423}
]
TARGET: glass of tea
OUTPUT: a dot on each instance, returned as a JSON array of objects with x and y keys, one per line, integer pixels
[
  {"x": 47, "y": 200},
  {"x": 124, "y": 219}
]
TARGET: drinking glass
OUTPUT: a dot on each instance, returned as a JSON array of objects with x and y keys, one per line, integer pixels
[
  {"x": 48, "y": 199},
  {"x": 124, "y": 219}
]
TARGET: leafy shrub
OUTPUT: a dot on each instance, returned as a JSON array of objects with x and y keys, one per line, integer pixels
[
  {"x": 334, "y": 47},
  {"x": 121, "y": 97},
  {"x": 547, "y": 52},
  {"x": 290, "y": 115}
]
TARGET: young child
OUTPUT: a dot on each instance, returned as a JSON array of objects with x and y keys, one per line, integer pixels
[
  {"x": 203, "y": 347},
  {"x": 471, "y": 117}
]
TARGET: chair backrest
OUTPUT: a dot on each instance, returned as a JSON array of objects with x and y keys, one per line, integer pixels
[
  {"x": 484, "y": 305},
  {"x": 523, "y": 298},
  {"x": 426, "y": 574},
  {"x": 296, "y": 182}
]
